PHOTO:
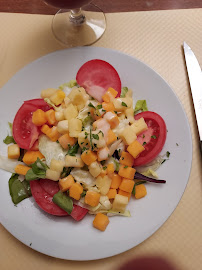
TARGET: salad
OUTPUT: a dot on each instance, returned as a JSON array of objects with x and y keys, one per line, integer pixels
[{"x": 84, "y": 147}]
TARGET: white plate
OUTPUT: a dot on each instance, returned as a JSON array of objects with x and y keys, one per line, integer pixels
[{"x": 61, "y": 237}]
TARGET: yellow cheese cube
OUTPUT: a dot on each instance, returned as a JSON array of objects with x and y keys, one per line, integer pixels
[
  {"x": 139, "y": 126},
  {"x": 13, "y": 151},
  {"x": 128, "y": 135},
  {"x": 58, "y": 97},
  {"x": 75, "y": 127},
  {"x": 70, "y": 112}
]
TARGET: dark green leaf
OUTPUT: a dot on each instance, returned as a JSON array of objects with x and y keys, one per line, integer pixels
[
  {"x": 18, "y": 190},
  {"x": 95, "y": 136},
  {"x": 153, "y": 137},
  {"x": 73, "y": 150},
  {"x": 66, "y": 171},
  {"x": 83, "y": 194},
  {"x": 167, "y": 154},
  {"x": 124, "y": 104},
  {"x": 37, "y": 171},
  {"x": 99, "y": 106},
  {"x": 63, "y": 201},
  {"x": 9, "y": 139},
  {"x": 91, "y": 105}
]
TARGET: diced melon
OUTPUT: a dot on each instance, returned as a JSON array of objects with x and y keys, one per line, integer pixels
[{"x": 135, "y": 148}]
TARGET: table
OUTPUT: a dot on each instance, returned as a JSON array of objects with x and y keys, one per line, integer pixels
[
  {"x": 38, "y": 7},
  {"x": 155, "y": 36}
]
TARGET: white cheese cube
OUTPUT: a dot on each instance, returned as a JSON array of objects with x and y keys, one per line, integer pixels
[
  {"x": 95, "y": 169},
  {"x": 62, "y": 127},
  {"x": 73, "y": 161}
]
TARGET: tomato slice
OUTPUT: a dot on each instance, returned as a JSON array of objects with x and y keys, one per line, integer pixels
[
  {"x": 43, "y": 191},
  {"x": 25, "y": 133},
  {"x": 43, "y": 194},
  {"x": 96, "y": 76},
  {"x": 39, "y": 103},
  {"x": 153, "y": 139}
]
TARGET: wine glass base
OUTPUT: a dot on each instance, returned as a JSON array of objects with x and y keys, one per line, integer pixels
[{"x": 87, "y": 32}]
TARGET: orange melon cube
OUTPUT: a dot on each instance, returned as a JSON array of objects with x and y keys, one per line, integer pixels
[
  {"x": 50, "y": 116},
  {"x": 140, "y": 191},
  {"x": 88, "y": 157},
  {"x": 66, "y": 183},
  {"x": 110, "y": 168},
  {"x": 135, "y": 148},
  {"x": 127, "y": 172},
  {"x": 65, "y": 140},
  {"x": 116, "y": 181},
  {"x": 126, "y": 159},
  {"x": 39, "y": 117},
  {"x": 124, "y": 193},
  {"x": 45, "y": 129},
  {"x": 111, "y": 137},
  {"x": 108, "y": 106},
  {"x": 110, "y": 94},
  {"x": 53, "y": 134},
  {"x": 92, "y": 198},
  {"x": 75, "y": 191},
  {"x": 22, "y": 169},
  {"x": 31, "y": 156},
  {"x": 101, "y": 221},
  {"x": 127, "y": 185},
  {"x": 111, "y": 193}
]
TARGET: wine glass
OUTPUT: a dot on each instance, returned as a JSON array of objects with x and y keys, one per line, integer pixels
[{"x": 78, "y": 22}]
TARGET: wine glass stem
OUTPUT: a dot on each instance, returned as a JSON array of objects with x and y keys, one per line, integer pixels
[{"x": 76, "y": 16}]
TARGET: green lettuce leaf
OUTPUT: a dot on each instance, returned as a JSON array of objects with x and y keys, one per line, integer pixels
[{"x": 141, "y": 105}]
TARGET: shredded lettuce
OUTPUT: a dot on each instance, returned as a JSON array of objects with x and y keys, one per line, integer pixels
[
  {"x": 124, "y": 91},
  {"x": 9, "y": 164},
  {"x": 69, "y": 84},
  {"x": 51, "y": 150},
  {"x": 83, "y": 177},
  {"x": 141, "y": 105},
  {"x": 57, "y": 109}
]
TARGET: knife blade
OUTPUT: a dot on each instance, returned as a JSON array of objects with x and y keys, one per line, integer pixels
[{"x": 195, "y": 81}]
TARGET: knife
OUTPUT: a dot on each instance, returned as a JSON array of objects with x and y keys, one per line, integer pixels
[{"x": 195, "y": 81}]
